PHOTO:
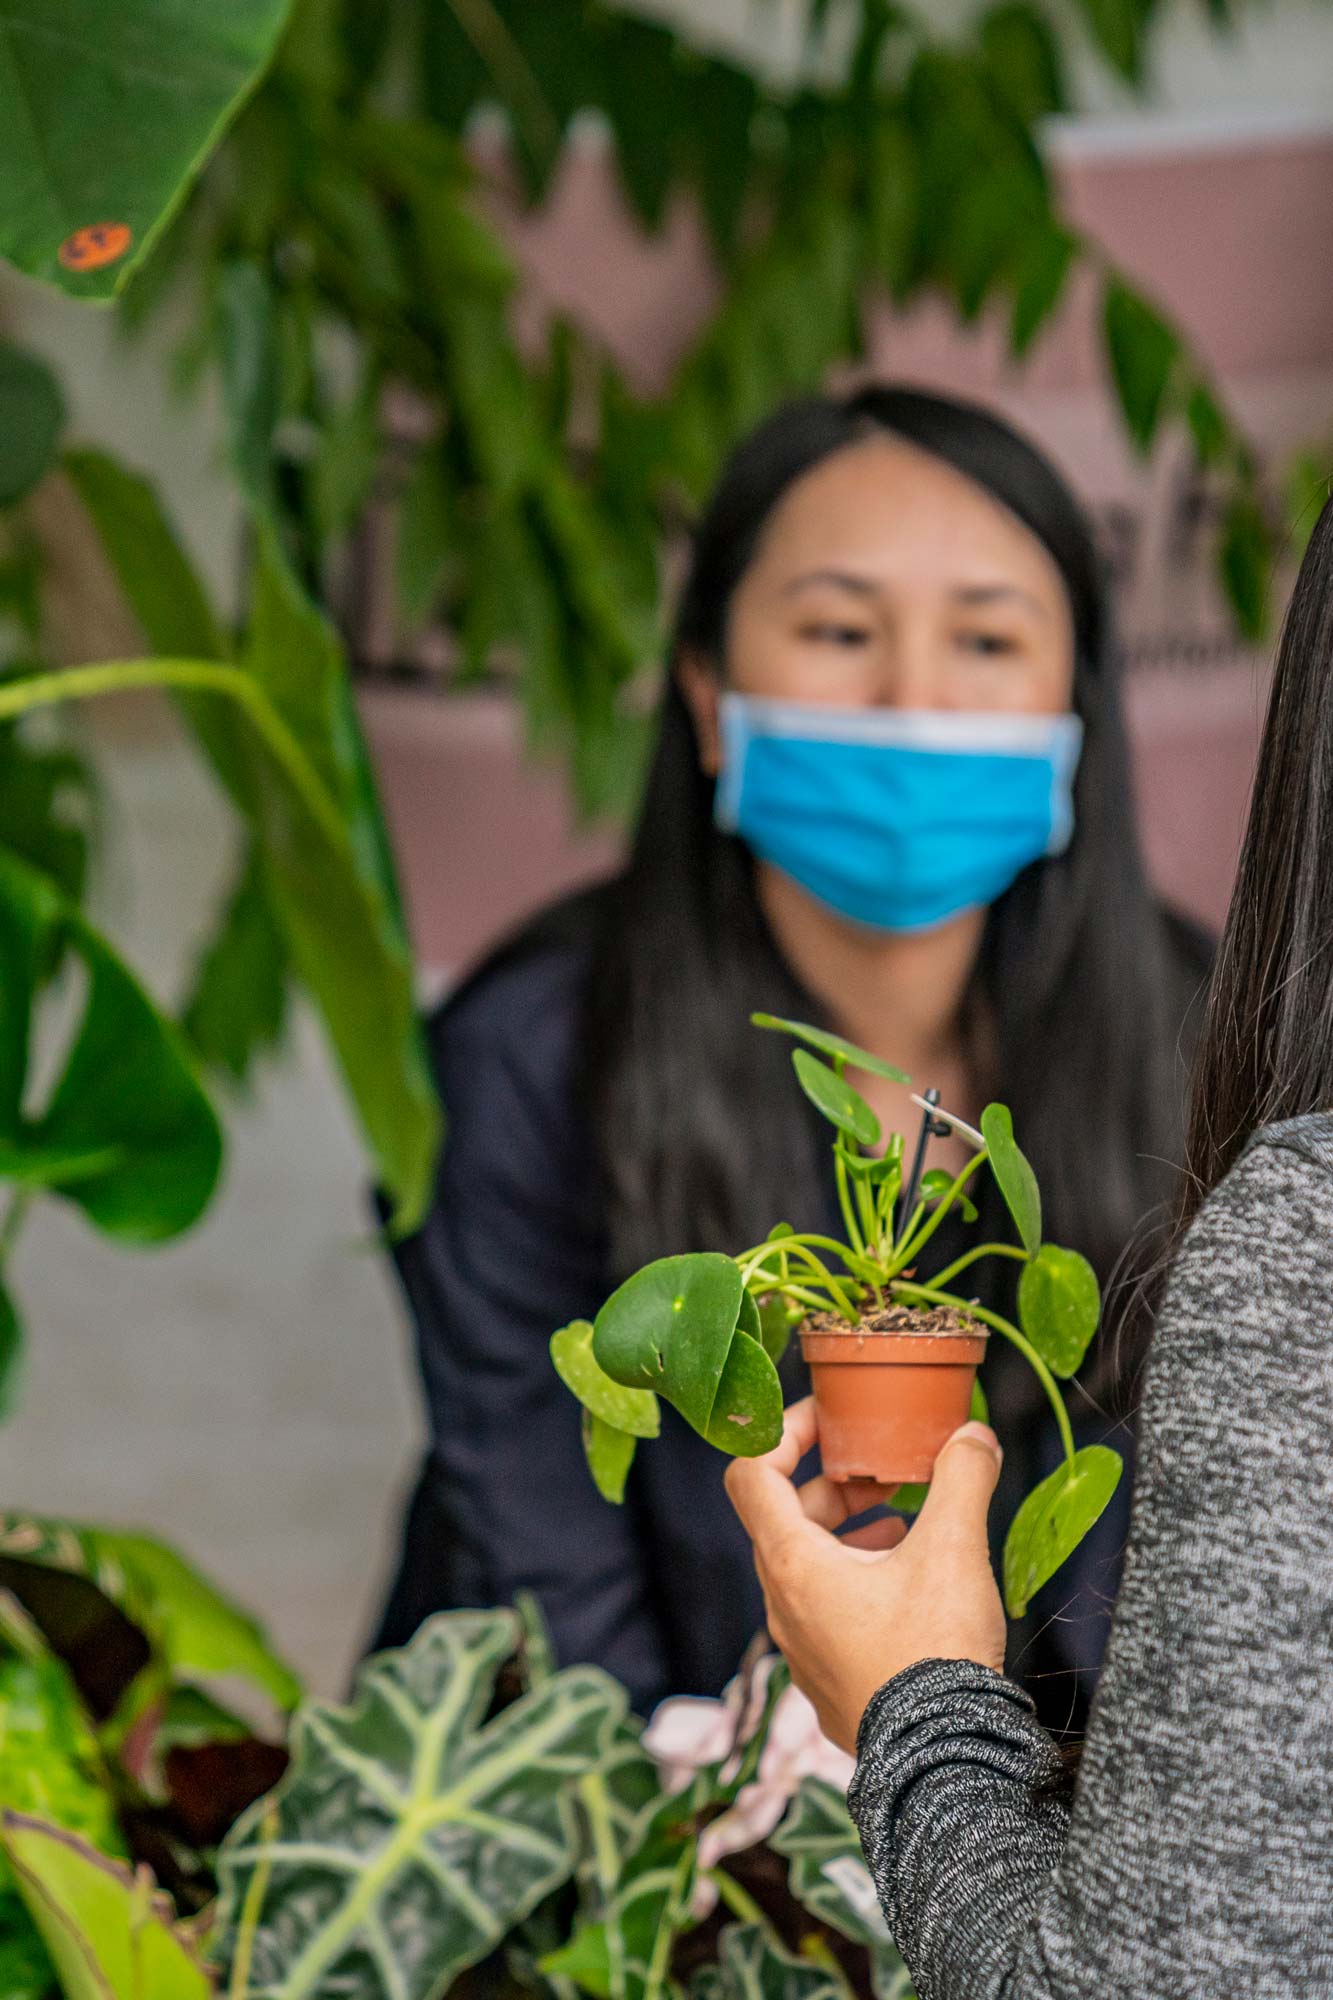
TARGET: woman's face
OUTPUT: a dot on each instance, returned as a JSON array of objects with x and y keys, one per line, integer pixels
[{"x": 886, "y": 579}]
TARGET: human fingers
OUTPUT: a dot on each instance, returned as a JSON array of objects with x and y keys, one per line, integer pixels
[
  {"x": 961, "y": 1486},
  {"x": 830, "y": 1502},
  {"x": 876, "y": 1535}
]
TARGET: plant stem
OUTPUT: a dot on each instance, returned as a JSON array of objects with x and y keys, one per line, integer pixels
[
  {"x": 738, "y": 1900},
  {"x": 951, "y": 1271},
  {"x": 20, "y": 696},
  {"x": 914, "y": 1245},
  {"x": 937, "y": 1298},
  {"x": 845, "y": 1201}
]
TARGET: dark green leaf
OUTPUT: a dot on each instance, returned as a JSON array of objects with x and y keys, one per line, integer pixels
[
  {"x": 631, "y": 1410},
  {"x": 684, "y": 1328},
  {"x": 1119, "y": 29},
  {"x": 160, "y": 584},
  {"x": 1208, "y": 424},
  {"x": 32, "y": 411},
  {"x": 1246, "y": 557},
  {"x": 251, "y": 374},
  {"x": 937, "y": 1183},
  {"x": 237, "y": 1006},
  {"x": 11, "y": 1348},
  {"x": 832, "y": 1045},
  {"x": 108, "y": 115},
  {"x": 1053, "y": 1520},
  {"x": 894, "y": 206},
  {"x": 1059, "y": 1304},
  {"x": 1038, "y": 275},
  {"x": 1023, "y": 56},
  {"x": 412, "y": 1834},
  {"x": 1144, "y": 353},
  {"x": 48, "y": 809},
  {"x": 125, "y": 1089},
  {"x": 192, "y": 1628},
  {"x": 756, "y": 1965},
  {"x": 835, "y": 1098},
  {"x": 1013, "y": 1175},
  {"x": 778, "y": 1319}
]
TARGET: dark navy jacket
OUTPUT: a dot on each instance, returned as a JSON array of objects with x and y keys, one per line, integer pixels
[{"x": 662, "y": 1592}]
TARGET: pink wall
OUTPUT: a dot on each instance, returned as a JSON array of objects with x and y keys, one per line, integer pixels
[{"x": 1233, "y": 240}]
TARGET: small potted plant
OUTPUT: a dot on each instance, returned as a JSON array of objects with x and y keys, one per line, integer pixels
[{"x": 892, "y": 1353}]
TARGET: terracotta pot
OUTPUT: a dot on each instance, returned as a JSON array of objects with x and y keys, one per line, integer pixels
[{"x": 887, "y": 1402}]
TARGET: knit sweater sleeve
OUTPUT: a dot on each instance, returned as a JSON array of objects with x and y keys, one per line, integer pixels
[{"x": 1197, "y": 1856}]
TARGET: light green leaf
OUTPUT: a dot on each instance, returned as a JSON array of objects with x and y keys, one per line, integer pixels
[
  {"x": 631, "y": 1410},
  {"x": 193, "y": 1629},
  {"x": 1144, "y": 353},
  {"x": 111, "y": 1936},
  {"x": 585, "y": 1960},
  {"x": 1059, "y": 1303},
  {"x": 778, "y": 1320},
  {"x": 610, "y": 1454},
  {"x": 125, "y": 1091},
  {"x": 936, "y": 1184},
  {"x": 834, "y": 1097},
  {"x": 32, "y": 412},
  {"x": 1013, "y": 1175},
  {"x": 832, "y": 1045},
  {"x": 108, "y": 114},
  {"x": 684, "y": 1327},
  {"x": 411, "y": 1835},
  {"x": 1053, "y": 1520},
  {"x": 160, "y": 583}
]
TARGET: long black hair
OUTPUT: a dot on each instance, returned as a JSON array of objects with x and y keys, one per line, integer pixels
[
  {"x": 1266, "y": 1050},
  {"x": 1082, "y": 982}
]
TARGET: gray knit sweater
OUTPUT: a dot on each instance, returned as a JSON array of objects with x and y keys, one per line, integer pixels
[{"x": 1197, "y": 1858}]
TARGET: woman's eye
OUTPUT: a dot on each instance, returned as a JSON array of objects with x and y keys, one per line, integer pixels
[
  {"x": 834, "y": 634},
  {"x": 991, "y": 645}
]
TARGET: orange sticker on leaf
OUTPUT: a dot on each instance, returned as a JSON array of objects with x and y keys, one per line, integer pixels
[{"x": 98, "y": 244}]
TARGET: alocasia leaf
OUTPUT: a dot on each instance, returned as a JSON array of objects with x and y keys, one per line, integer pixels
[
  {"x": 410, "y": 1835},
  {"x": 1053, "y": 1520},
  {"x": 1013, "y": 1175},
  {"x": 829, "y": 1877},
  {"x": 1059, "y": 1303},
  {"x": 754, "y": 1964},
  {"x": 110, "y": 1935},
  {"x": 685, "y": 1328}
]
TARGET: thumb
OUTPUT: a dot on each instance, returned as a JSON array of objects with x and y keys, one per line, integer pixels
[{"x": 961, "y": 1486}]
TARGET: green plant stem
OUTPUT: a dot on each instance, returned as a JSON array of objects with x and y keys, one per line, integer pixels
[
  {"x": 1014, "y": 1250},
  {"x": 937, "y": 1298},
  {"x": 865, "y": 1202},
  {"x": 666, "y": 1930},
  {"x": 238, "y": 1985},
  {"x": 914, "y": 1245},
  {"x": 738, "y": 1900},
  {"x": 752, "y": 1264},
  {"x": 845, "y": 1201},
  {"x": 46, "y": 690}
]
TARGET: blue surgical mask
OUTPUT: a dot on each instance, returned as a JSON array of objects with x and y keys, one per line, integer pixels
[{"x": 896, "y": 818}]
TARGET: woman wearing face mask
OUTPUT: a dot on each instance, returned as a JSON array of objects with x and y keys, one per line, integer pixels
[
  {"x": 1196, "y": 1856},
  {"x": 890, "y": 794}
]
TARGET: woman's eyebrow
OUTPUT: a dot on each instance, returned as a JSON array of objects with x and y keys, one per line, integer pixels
[
  {"x": 992, "y": 593},
  {"x": 846, "y": 579}
]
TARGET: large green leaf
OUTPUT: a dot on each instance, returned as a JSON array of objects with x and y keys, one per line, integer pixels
[
  {"x": 754, "y": 1964},
  {"x": 1053, "y": 1520},
  {"x": 108, "y": 113},
  {"x": 832, "y": 1045},
  {"x": 409, "y": 1835},
  {"x": 632, "y": 1410},
  {"x": 32, "y": 411},
  {"x": 1059, "y": 1304},
  {"x": 192, "y": 1628},
  {"x": 110, "y": 1936},
  {"x": 237, "y": 1005},
  {"x": 1013, "y": 1175},
  {"x": 320, "y": 846},
  {"x": 126, "y": 1100},
  {"x": 685, "y": 1328},
  {"x": 829, "y": 1877}
]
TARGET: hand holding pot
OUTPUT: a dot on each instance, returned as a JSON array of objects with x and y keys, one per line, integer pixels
[{"x": 849, "y": 1613}]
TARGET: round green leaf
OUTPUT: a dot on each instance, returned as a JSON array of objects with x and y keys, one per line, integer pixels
[
  {"x": 937, "y": 1183},
  {"x": 1014, "y": 1177},
  {"x": 1059, "y": 1304},
  {"x": 633, "y": 1411},
  {"x": 832, "y": 1045},
  {"x": 834, "y": 1096},
  {"x": 1053, "y": 1520},
  {"x": 32, "y": 411},
  {"x": 609, "y": 1453},
  {"x": 685, "y": 1328}
]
